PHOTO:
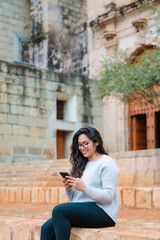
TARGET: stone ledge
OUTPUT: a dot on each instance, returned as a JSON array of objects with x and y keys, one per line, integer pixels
[
  {"x": 12, "y": 228},
  {"x": 134, "y": 197}
]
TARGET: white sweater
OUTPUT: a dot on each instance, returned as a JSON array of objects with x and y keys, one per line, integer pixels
[{"x": 100, "y": 177}]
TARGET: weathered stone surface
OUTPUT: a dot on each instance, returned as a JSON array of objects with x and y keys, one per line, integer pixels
[
  {"x": 156, "y": 198},
  {"x": 62, "y": 196},
  {"x": 144, "y": 197},
  {"x": 48, "y": 153},
  {"x": 54, "y": 195},
  {"x": 26, "y": 195},
  {"x": 128, "y": 197}
]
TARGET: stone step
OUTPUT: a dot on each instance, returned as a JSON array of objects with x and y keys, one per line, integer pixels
[
  {"x": 35, "y": 163},
  {"x": 137, "y": 198},
  {"x": 25, "y": 173},
  {"x": 24, "y": 229},
  {"x": 29, "y": 179},
  {"x": 32, "y": 194},
  {"x": 34, "y": 184}
]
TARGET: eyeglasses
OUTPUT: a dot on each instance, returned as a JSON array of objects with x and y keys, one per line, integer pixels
[{"x": 84, "y": 145}]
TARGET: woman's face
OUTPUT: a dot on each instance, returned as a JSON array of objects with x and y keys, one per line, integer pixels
[{"x": 86, "y": 146}]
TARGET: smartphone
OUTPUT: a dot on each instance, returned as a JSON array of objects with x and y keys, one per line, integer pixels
[{"x": 64, "y": 174}]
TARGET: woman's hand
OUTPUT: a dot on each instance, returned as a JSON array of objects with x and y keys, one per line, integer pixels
[
  {"x": 67, "y": 186},
  {"x": 76, "y": 183}
]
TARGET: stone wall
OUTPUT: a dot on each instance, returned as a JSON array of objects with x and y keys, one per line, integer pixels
[
  {"x": 14, "y": 17},
  {"x": 138, "y": 168},
  {"x": 28, "y": 121}
]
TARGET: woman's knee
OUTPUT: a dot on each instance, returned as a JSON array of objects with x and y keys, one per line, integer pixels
[{"x": 59, "y": 210}]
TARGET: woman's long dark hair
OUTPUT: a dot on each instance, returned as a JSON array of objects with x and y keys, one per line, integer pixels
[{"x": 77, "y": 159}]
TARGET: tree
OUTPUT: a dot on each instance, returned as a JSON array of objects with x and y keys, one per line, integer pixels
[{"x": 131, "y": 82}]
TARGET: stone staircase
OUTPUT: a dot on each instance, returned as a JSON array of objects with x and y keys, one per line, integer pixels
[
  {"x": 40, "y": 183},
  {"x": 38, "y": 174}
]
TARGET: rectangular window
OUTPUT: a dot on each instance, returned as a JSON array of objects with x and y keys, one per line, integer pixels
[{"x": 60, "y": 110}]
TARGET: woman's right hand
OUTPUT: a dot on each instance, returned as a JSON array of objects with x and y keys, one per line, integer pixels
[{"x": 67, "y": 185}]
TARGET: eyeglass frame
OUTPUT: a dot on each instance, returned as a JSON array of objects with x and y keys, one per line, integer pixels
[{"x": 84, "y": 145}]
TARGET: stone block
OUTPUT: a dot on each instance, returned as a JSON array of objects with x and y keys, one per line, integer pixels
[
  {"x": 13, "y": 99},
  {"x": 21, "y": 159},
  {"x": 3, "y": 67},
  {"x": 5, "y": 149},
  {"x": 54, "y": 195},
  {"x": 14, "y": 89},
  {"x": 156, "y": 198},
  {"x": 128, "y": 197},
  {"x": 33, "y": 112},
  {"x": 23, "y": 230},
  {"x": 12, "y": 194},
  {"x": 15, "y": 109},
  {"x": 41, "y": 195},
  {"x": 34, "y": 195},
  {"x": 41, "y": 122},
  {"x": 19, "y": 150},
  {"x": 19, "y": 191},
  {"x": 37, "y": 132},
  {"x": 20, "y": 130},
  {"x": 47, "y": 196},
  {"x": 5, "y": 194},
  {"x": 3, "y": 117},
  {"x": 5, "y": 129},
  {"x": 144, "y": 197},
  {"x": 28, "y": 101},
  {"x": 49, "y": 153},
  {"x": 119, "y": 193},
  {"x": 62, "y": 196},
  {"x": 26, "y": 120},
  {"x": 4, "y": 108},
  {"x": 0, "y": 195},
  {"x": 12, "y": 119},
  {"x": 34, "y": 151},
  {"x": 150, "y": 177},
  {"x": 140, "y": 178},
  {"x": 3, "y": 87},
  {"x": 5, "y": 231},
  {"x": 26, "y": 195}
]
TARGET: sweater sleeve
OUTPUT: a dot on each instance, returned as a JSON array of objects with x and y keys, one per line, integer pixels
[
  {"x": 109, "y": 178},
  {"x": 69, "y": 195}
]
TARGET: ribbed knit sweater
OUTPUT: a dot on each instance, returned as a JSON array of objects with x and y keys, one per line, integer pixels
[{"x": 100, "y": 177}]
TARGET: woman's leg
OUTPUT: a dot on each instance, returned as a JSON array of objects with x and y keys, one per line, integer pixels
[
  {"x": 47, "y": 231},
  {"x": 86, "y": 214}
]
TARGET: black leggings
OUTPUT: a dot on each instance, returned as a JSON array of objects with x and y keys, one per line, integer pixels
[{"x": 67, "y": 215}]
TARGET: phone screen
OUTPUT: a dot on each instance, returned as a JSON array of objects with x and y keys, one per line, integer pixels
[{"x": 64, "y": 174}]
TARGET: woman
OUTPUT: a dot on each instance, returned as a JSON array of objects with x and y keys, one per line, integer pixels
[{"x": 91, "y": 189}]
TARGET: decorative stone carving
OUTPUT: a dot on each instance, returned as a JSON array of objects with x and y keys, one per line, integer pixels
[
  {"x": 139, "y": 24},
  {"x": 109, "y": 35}
]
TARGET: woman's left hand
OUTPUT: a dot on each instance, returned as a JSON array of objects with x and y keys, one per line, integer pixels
[{"x": 76, "y": 183}]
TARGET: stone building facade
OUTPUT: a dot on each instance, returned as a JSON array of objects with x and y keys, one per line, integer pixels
[
  {"x": 120, "y": 24},
  {"x": 73, "y": 37},
  {"x": 41, "y": 107}
]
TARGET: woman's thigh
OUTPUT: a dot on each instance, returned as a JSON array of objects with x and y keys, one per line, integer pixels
[{"x": 86, "y": 214}]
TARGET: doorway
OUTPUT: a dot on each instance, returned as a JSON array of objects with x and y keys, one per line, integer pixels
[
  {"x": 60, "y": 144},
  {"x": 138, "y": 132},
  {"x": 157, "y": 129}
]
